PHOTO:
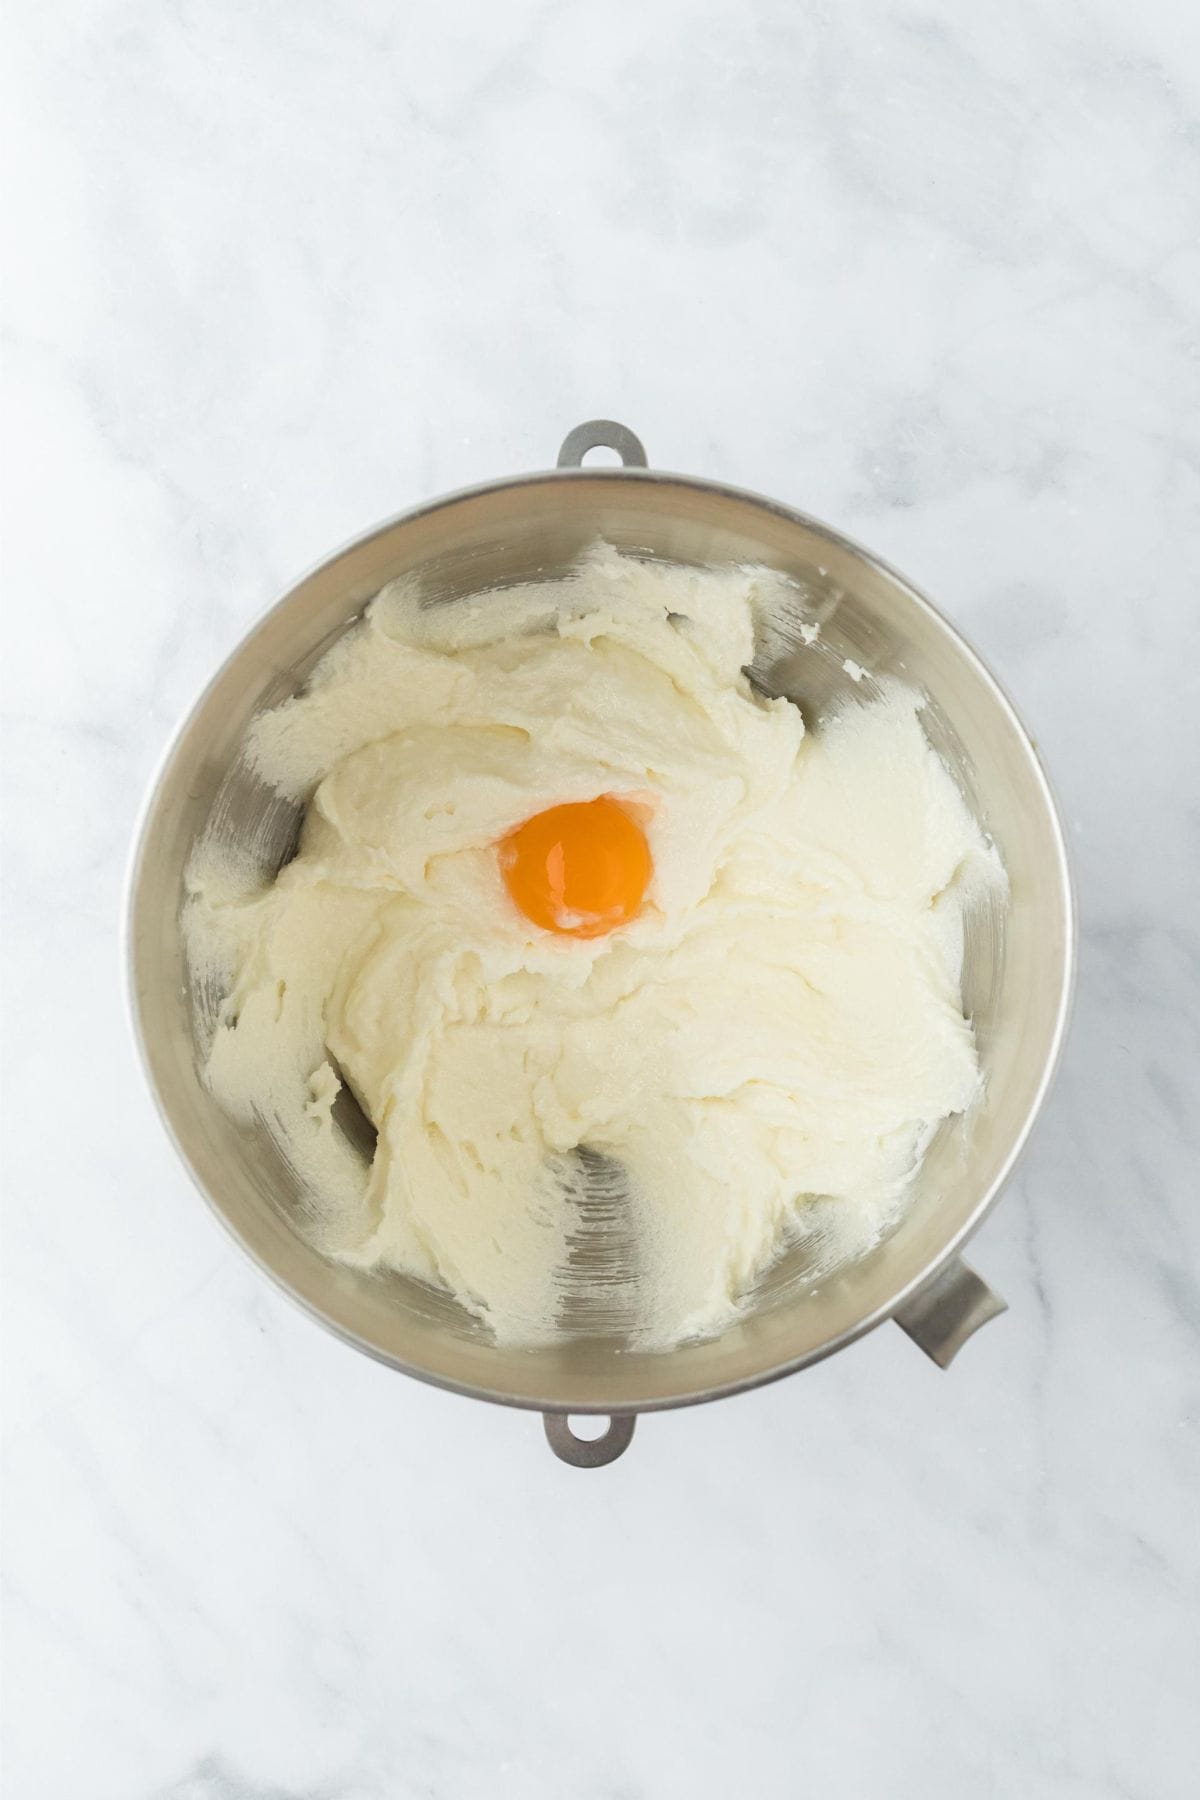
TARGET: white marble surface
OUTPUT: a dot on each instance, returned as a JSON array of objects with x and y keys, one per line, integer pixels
[{"x": 930, "y": 271}]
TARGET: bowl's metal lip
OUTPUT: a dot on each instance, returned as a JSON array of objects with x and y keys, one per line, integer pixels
[{"x": 790, "y": 1366}]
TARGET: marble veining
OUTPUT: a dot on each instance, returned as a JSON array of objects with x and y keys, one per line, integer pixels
[{"x": 931, "y": 272}]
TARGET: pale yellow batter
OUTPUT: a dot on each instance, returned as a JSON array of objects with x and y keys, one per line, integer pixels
[{"x": 781, "y": 1020}]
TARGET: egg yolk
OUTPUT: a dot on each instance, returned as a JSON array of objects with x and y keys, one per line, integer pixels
[{"x": 579, "y": 869}]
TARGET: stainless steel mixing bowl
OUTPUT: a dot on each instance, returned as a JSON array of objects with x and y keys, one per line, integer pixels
[{"x": 1017, "y": 970}]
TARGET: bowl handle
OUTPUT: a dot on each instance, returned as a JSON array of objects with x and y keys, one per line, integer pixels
[
  {"x": 948, "y": 1310},
  {"x": 588, "y": 1453},
  {"x": 940, "y": 1318},
  {"x": 602, "y": 434}
]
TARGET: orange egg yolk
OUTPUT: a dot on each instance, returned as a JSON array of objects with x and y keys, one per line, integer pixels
[{"x": 580, "y": 869}]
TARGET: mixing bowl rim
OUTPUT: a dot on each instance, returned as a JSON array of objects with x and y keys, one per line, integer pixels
[{"x": 953, "y": 1245}]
